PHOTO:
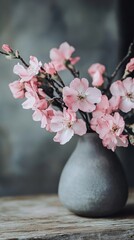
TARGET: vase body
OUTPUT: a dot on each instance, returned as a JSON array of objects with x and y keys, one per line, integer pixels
[{"x": 93, "y": 182}]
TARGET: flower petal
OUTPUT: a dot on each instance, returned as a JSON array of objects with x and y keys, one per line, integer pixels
[
  {"x": 79, "y": 127},
  {"x": 64, "y": 136}
]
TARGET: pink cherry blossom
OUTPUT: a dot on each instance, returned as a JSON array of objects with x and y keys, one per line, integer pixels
[
  {"x": 44, "y": 116},
  {"x": 102, "y": 108},
  {"x": 130, "y": 65},
  {"x": 7, "y": 48},
  {"x": 17, "y": 89},
  {"x": 31, "y": 85},
  {"x": 106, "y": 106},
  {"x": 60, "y": 55},
  {"x": 96, "y": 72},
  {"x": 114, "y": 102},
  {"x": 27, "y": 74},
  {"x": 49, "y": 68},
  {"x": 66, "y": 125},
  {"x": 36, "y": 98},
  {"x": 80, "y": 96},
  {"x": 110, "y": 129},
  {"x": 125, "y": 90}
]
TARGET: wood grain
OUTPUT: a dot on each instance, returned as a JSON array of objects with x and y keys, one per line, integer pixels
[{"x": 43, "y": 217}]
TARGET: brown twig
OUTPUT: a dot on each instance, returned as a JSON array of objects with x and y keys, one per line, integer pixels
[
  {"x": 123, "y": 60},
  {"x": 111, "y": 78},
  {"x": 22, "y": 60},
  {"x": 72, "y": 69},
  {"x": 4, "y": 53}
]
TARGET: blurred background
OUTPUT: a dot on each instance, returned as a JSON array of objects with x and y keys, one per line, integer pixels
[{"x": 101, "y": 31}]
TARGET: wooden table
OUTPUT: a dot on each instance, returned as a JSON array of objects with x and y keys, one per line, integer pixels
[{"x": 43, "y": 217}]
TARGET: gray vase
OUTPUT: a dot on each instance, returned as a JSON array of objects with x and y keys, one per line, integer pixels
[{"x": 93, "y": 183}]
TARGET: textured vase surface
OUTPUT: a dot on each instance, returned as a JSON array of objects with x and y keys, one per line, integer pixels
[{"x": 93, "y": 182}]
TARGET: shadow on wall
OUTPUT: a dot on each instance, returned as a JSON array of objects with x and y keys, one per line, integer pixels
[{"x": 30, "y": 161}]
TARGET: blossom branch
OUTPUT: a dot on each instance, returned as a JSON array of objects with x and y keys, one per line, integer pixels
[
  {"x": 123, "y": 60},
  {"x": 110, "y": 78},
  {"x": 58, "y": 78},
  {"x": 14, "y": 55},
  {"x": 22, "y": 60},
  {"x": 4, "y": 53},
  {"x": 72, "y": 69}
]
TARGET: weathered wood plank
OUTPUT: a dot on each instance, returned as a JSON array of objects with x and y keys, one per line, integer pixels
[{"x": 43, "y": 217}]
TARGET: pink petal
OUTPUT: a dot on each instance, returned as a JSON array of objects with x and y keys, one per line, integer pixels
[
  {"x": 20, "y": 70},
  {"x": 6, "y": 48},
  {"x": 93, "y": 95},
  {"x": 96, "y": 67},
  {"x": 128, "y": 83},
  {"x": 126, "y": 105},
  {"x": 49, "y": 68},
  {"x": 103, "y": 105},
  {"x": 75, "y": 83},
  {"x": 110, "y": 142},
  {"x": 79, "y": 127},
  {"x": 69, "y": 97},
  {"x": 44, "y": 121},
  {"x": 80, "y": 85},
  {"x": 114, "y": 102},
  {"x": 98, "y": 79},
  {"x": 34, "y": 63},
  {"x": 17, "y": 89},
  {"x": 66, "y": 50},
  {"x": 74, "y": 60},
  {"x": 130, "y": 65},
  {"x": 122, "y": 141},
  {"x": 64, "y": 136},
  {"x": 37, "y": 115},
  {"x": 86, "y": 106},
  {"x": 56, "y": 123},
  {"x": 102, "y": 128},
  {"x": 117, "y": 89},
  {"x": 55, "y": 55},
  {"x": 29, "y": 103}
]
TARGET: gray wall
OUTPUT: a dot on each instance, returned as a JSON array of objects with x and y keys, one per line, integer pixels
[{"x": 30, "y": 162}]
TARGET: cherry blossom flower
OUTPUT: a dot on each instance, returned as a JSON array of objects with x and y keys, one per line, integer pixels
[
  {"x": 66, "y": 125},
  {"x": 31, "y": 85},
  {"x": 80, "y": 96},
  {"x": 30, "y": 72},
  {"x": 7, "y": 48},
  {"x": 130, "y": 65},
  {"x": 36, "y": 98},
  {"x": 114, "y": 137},
  {"x": 110, "y": 130},
  {"x": 44, "y": 116},
  {"x": 62, "y": 54},
  {"x": 106, "y": 106},
  {"x": 114, "y": 102},
  {"x": 125, "y": 90},
  {"x": 96, "y": 72},
  {"x": 102, "y": 108},
  {"x": 49, "y": 68},
  {"x": 17, "y": 89},
  {"x": 34, "y": 102}
]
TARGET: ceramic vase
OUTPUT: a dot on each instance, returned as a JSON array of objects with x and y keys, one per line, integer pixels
[{"x": 93, "y": 183}]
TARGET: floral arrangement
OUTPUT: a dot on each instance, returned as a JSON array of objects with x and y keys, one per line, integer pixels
[{"x": 106, "y": 107}]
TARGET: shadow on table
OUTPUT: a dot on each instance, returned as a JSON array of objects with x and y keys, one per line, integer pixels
[{"x": 128, "y": 211}]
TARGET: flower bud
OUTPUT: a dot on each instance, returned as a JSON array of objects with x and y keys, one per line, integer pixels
[{"x": 7, "y": 48}]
